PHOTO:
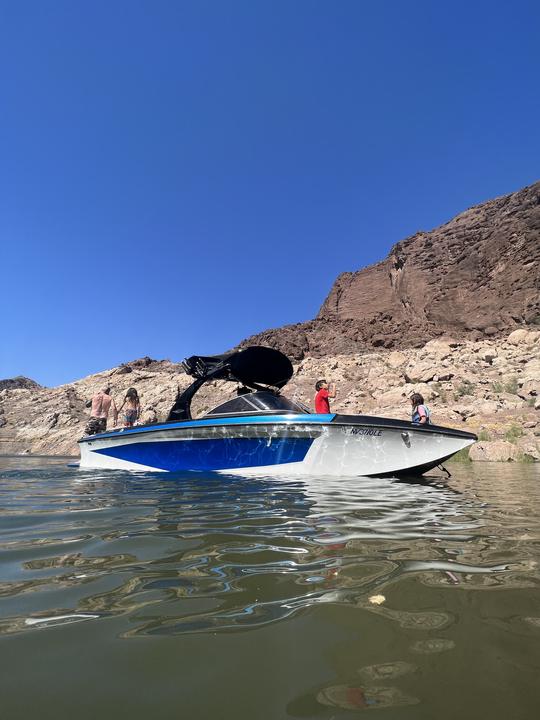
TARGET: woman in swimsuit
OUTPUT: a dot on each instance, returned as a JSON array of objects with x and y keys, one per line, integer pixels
[{"x": 131, "y": 407}]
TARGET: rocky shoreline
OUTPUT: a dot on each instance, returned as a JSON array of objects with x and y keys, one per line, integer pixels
[{"x": 490, "y": 387}]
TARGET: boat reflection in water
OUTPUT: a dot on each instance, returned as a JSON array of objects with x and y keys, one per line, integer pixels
[
  {"x": 277, "y": 582},
  {"x": 262, "y": 550}
]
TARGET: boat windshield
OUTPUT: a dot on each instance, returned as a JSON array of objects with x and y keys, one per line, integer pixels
[{"x": 257, "y": 403}]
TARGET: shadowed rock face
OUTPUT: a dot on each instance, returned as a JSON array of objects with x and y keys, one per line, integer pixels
[
  {"x": 18, "y": 383},
  {"x": 478, "y": 275}
]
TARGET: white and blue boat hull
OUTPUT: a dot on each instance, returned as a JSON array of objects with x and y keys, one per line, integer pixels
[{"x": 289, "y": 445}]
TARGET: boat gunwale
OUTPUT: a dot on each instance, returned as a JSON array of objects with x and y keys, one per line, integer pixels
[{"x": 332, "y": 419}]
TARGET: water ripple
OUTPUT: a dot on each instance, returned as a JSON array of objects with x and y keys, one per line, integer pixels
[{"x": 197, "y": 553}]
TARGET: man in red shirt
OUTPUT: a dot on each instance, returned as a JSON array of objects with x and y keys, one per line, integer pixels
[{"x": 322, "y": 406}]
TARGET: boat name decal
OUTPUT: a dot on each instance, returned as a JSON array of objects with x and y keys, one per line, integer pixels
[{"x": 372, "y": 432}]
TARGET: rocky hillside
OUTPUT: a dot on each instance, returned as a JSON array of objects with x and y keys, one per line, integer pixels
[
  {"x": 453, "y": 313},
  {"x": 477, "y": 276},
  {"x": 491, "y": 387}
]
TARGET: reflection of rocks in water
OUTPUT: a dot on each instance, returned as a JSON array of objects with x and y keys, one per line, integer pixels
[
  {"x": 413, "y": 620},
  {"x": 223, "y": 619},
  {"x": 355, "y": 698},
  {"x": 39, "y": 621},
  {"x": 19, "y": 587},
  {"x": 12, "y": 625},
  {"x": 356, "y": 575},
  {"x": 194, "y": 584},
  {"x": 385, "y": 671},
  {"x": 477, "y": 581},
  {"x": 407, "y": 549},
  {"x": 121, "y": 599},
  {"x": 28, "y": 544},
  {"x": 433, "y": 645},
  {"x": 10, "y": 589},
  {"x": 79, "y": 561}
]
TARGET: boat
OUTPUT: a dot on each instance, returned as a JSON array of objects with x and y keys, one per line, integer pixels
[{"x": 261, "y": 432}]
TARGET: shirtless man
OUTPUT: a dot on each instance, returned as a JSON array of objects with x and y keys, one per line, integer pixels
[{"x": 102, "y": 402}]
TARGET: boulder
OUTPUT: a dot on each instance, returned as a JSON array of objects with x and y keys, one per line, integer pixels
[
  {"x": 487, "y": 407},
  {"x": 143, "y": 362},
  {"x": 396, "y": 358},
  {"x": 422, "y": 372},
  {"x": 148, "y": 416},
  {"x": 524, "y": 337},
  {"x": 445, "y": 374},
  {"x": 428, "y": 392},
  {"x": 529, "y": 448},
  {"x": 394, "y": 397},
  {"x": 509, "y": 401},
  {"x": 440, "y": 348},
  {"x": 531, "y": 370},
  {"x": 530, "y": 388},
  {"x": 494, "y": 451},
  {"x": 382, "y": 341},
  {"x": 487, "y": 354},
  {"x": 379, "y": 381},
  {"x": 465, "y": 411}
]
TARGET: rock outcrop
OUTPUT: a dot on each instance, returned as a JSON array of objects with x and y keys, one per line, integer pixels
[
  {"x": 476, "y": 276},
  {"x": 18, "y": 383}
]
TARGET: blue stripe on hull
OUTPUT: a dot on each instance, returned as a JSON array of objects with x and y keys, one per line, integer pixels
[
  {"x": 215, "y": 422},
  {"x": 212, "y": 454}
]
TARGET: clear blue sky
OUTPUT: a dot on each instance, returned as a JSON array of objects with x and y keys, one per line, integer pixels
[{"x": 176, "y": 176}]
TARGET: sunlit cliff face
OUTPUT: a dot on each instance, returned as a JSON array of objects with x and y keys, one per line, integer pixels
[{"x": 473, "y": 278}]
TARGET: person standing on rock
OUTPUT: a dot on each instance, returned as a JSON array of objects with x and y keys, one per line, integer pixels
[
  {"x": 323, "y": 393},
  {"x": 420, "y": 412},
  {"x": 101, "y": 403}
]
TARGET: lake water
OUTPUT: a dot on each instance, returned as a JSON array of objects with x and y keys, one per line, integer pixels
[{"x": 161, "y": 596}]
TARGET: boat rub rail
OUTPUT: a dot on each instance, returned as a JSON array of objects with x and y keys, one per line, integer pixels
[{"x": 292, "y": 418}]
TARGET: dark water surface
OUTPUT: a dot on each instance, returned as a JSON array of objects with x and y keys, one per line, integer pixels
[{"x": 163, "y": 596}]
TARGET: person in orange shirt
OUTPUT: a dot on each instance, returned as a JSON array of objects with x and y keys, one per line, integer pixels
[{"x": 323, "y": 393}]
